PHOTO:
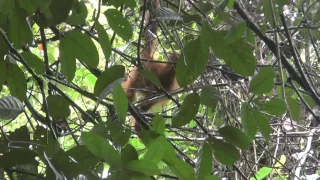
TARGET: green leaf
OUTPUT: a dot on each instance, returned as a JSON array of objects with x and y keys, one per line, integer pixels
[
  {"x": 236, "y": 33},
  {"x": 16, "y": 157},
  {"x": 251, "y": 119},
  {"x": 224, "y": 152},
  {"x": 262, "y": 173},
  {"x": 158, "y": 124},
  {"x": 107, "y": 90},
  {"x": 188, "y": 110},
  {"x": 107, "y": 129},
  {"x": 250, "y": 37},
  {"x": 150, "y": 76},
  {"x": 147, "y": 167},
  {"x": 58, "y": 106},
  {"x": 101, "y": 148},
  {"x": 3, "y": 73},
  {"x": 84, "y": 158},
  {"x": 67, "y": 59},
  {"x": 248, "y": 121},
  {"x": 239, "y": 58},
  {"x": 79, "y": 13},
  {"x": 128, "y": 154},
  {"x": 27, "y": 6},
  {"x": 275, "y": 106},
  {"x": 316, "y": 16},
  {"x": 194, "y": 59},
  {"x": 4, "y": 48},
  {"x": 235, "y": 136},
  {"x": 16, "y": 81},
  {"x": 31, "y": 6},
  {"x": 114, "y": 131},
  {"x": 205, "y": 7},
  {"x": 309, "y": 100},
  {"x": 221, "y": 7},
  {"x": 295, "y": 109},
  {"x": 19, "y": 30},
  {"x": 82, "y": 47},
  {"x": 155, "y": 152},
  {"x": 182, "y": 170},
  {"x": 121, "y": 137},
  {"x": 120, "y": 101},
  {"x": 119, "y": 24},
  {"x": 262, "y": 123},
  {"x": 34, "y": 62},
  {"x": 268, "y": 13},
  {"x": 263, "y": 82},
  {"x": 67, "y": 167},
  {"x": 230, "y": 4},
  {"x": 209, "y": 177},
  {"x": 238, "y": 54},
  {"x": 104, "y": 41},
  {"x": 283, "y": 2},
  {"x": 210, "y": 96},
  {"x": 6, "y": 6},
  {"x": 40, "y": 3},
  {"x": 217, "y": 42},
  {"x": 107, "y": 77},
  {"x": 20, "y": 134},
  {"x": 117, "y": 3},
  {"x": 169, "y": 153},
  {"x": 59, "y": 10},
  {"x": 204, "y": 161}
]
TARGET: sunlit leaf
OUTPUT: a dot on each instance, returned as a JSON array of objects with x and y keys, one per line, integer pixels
[{"x": 262, "y": 173}]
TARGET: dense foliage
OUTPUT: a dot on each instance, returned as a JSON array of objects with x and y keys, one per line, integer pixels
[{"x": 247, "y": 107}]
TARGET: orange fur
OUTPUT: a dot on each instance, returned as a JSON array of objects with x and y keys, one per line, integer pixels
[{"x": 164, "y": 71}]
